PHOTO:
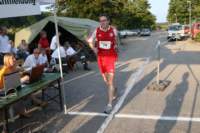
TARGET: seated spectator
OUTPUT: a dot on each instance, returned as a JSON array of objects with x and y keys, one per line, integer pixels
[
  {"x": 23, "y": 45},
  {"x": 43, "y": 57},
  {"x": 69, "y": 50},
  {"x": 9, "y": 67},
  {"x": 13, "y": 48},
  {"x": 53, "y": 45},
  {"x": 83, "y": 55},
  {"x": 5, "y": 46},
  {"x": 55, "y": 54},
  {"x": 44, "y": 44},
  {"x": 23, "y": 50},
  {"x": 74, "y": 56},
  {"x": 70, "y": 56},
  {"x": 32, "y": 60}
]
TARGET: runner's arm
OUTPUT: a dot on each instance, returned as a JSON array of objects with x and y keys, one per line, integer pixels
[
  {"x": 116, "y": 40},
  {"x": 91, "y": 42}
]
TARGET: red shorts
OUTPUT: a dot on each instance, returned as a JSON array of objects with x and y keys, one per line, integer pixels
[{"x": 106, "y": 63}]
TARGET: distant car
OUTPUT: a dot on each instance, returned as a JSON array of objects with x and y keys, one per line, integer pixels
[
  {"x": 176, "y": 31},
  {"x": 145, "y": 32},
  {"x": 122, "y": 34},
  {"x": 136, "y": 32},
  {"x": 139, "y": 31},
  {"x": 131, "y": 33}
]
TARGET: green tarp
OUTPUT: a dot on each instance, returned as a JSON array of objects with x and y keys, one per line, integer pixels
[{"x": 81, "y": 28}]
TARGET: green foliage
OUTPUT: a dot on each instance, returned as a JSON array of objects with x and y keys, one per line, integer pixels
[
  {"x": 17, "y": 23},
  {"x": 197, "y": 37},
  {"x": 20, "y": 22},
  {"x": 124, "y": 13},
  {"x": 181, "y": 9},
  {"x": 163, "y": 26}
]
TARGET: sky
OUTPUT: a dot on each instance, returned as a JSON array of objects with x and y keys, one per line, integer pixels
[{"x": 160, "y": 9}]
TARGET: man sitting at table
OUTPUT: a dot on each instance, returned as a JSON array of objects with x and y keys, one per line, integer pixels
[
  {"x": 55, "y": 56},
  {"x": 43, "y": 59},
  {"x": 32, "y": 60},
  {"x": 74, "y": 56}
]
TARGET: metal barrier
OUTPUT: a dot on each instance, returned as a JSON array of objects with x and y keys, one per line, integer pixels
[{"x": 159, "y": 85}]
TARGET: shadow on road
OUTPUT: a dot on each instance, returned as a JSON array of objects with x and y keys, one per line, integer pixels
[
  {"x": 174, "y": 103},
  {"x": 194, "y": 98}
]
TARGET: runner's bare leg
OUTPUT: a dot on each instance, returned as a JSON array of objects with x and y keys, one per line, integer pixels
[
  {"x": 111, "y": 88},
  {"x": 105, "y": 78}
]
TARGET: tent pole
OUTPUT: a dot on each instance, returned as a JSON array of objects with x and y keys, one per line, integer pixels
[{"x": 60, "y": 60}]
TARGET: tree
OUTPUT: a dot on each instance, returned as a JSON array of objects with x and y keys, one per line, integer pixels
[
  {"x": 124, "y": 13},
  {"x": 180, "y": 8}
]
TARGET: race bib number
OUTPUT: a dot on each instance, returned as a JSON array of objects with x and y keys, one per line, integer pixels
[{"x": 105, "y": 44}]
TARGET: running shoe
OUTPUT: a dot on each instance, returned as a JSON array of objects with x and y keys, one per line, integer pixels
[{"x": 108, "y": 109}]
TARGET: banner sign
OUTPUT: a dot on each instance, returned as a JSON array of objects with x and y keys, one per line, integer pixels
[
  {"x": 15, "y": 8},
  {"x": 46, "y": 2}
]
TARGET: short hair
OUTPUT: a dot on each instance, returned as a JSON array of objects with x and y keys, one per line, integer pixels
[
  {"x": 105, "y": 15},
  {"x": 43, "y": 32},
  {"x": 36, "y": 50}
]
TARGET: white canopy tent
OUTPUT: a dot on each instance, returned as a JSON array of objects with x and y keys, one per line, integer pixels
[{"x": 16, "y": 8}]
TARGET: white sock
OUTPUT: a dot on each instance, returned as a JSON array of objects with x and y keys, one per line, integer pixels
[{"x": 110, "y": 105}]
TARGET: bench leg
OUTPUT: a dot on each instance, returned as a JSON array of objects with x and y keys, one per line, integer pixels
[
  {"x": 43, "y": 95},
  {"x": 60, "y": 95},
  {"x": 6, "y": 128}
]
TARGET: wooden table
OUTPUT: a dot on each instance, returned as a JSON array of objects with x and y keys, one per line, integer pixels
[{"x": 48, "y": 79}]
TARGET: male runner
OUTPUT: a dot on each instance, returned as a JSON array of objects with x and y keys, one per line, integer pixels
[{"x": 104, "y": 43}]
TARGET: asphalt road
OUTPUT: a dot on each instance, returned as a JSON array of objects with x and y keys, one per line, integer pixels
[{"x": 175, "y": 110}]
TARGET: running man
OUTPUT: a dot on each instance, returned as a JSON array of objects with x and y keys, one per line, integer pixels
[{"x": 104, "y": 43}]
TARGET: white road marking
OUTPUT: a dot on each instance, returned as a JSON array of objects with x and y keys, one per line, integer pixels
[
  {"x": 133, "y": 79},
  {"x": 93, "y": 72},
  {"x": 87, "y": 113},
  {"x": 144, "y": 117},
  {"x": 138, "y": 39},
  {"x": 79, "y": 77}
]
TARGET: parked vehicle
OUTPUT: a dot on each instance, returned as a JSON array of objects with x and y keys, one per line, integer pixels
[
  {"x": 125, "y": 33},
  {"x": 176, "y": 31},
  {"x": 195, "y": 29},
  {"x": 122, "y": 34},
  {"x": 136, "y": 32},
  {"x": 145, "y": 32},
  {"x": 131, "y": 33}
]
